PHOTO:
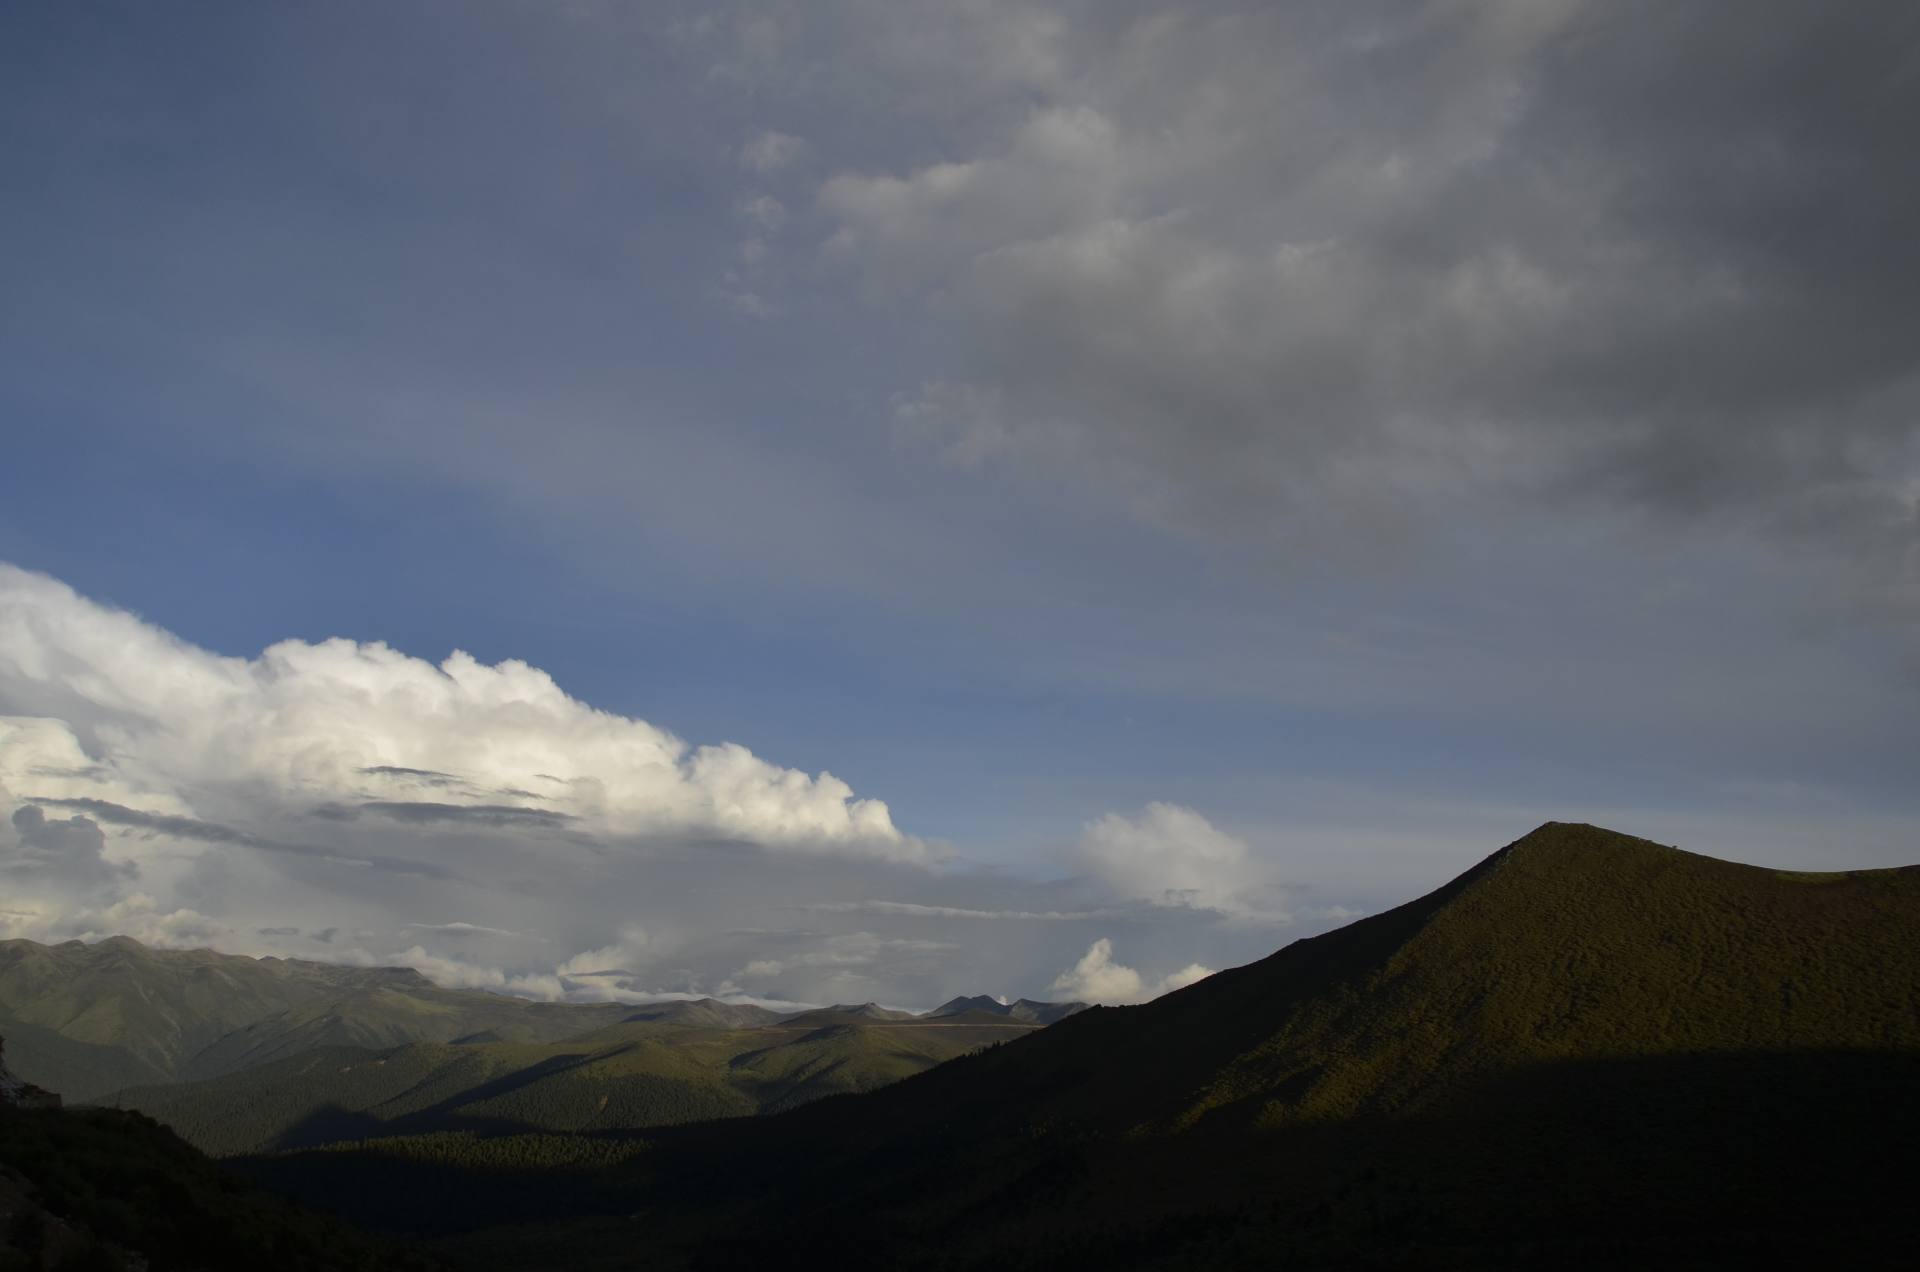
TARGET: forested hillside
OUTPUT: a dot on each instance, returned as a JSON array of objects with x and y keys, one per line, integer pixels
[{"x": 1588, "y": 1051}]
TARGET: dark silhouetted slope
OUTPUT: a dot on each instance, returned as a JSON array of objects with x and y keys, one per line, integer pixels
[
  {"x": 1573, "y": 943},
  {"x": 101, "y": 1189},
  {"x": 1589, "y": 1050}
]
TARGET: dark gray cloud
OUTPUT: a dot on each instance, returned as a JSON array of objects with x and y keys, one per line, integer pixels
[
  {"x": 916, "y": 910},
  {"x": 69, "y": 851},
  {"x": 426, "y": 777},
  {"x": 215, "y": 833},
  {"x": 444, "y": 781},
  {"x": 458, "y": 928},
  {"x": 493, "y": 815},
  {"x": 1312, "y": 274}
]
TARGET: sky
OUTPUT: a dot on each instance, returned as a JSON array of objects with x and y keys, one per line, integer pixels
[{"x": 851, "y": 501}]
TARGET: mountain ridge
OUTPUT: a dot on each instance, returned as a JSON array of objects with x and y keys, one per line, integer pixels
[
  {"x": 1589, "y": 1048},
  {"x": 116, "y": 1014}
]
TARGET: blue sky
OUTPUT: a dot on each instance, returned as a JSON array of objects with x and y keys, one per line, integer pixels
[{"x": 1369, "y": 432}]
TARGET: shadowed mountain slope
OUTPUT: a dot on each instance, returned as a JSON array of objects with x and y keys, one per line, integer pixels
[
  {"x": 1572, "y": 943},
  {"x": 1589, "y": 1050},
  {"x": 101, "y": 1189}
]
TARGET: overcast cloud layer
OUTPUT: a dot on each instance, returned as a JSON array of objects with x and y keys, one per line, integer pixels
[
  {"x": 1315, "y": 272},
  {"x": 1141, "y": 482}
]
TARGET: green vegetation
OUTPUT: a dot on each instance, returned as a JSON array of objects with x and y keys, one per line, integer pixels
[
  {"x": 637, "y": 1074},
  {"x": 87, "y": 1020},
  {"x": 579, "y": 1154},
  {"x": 1589, "y": 1051}
]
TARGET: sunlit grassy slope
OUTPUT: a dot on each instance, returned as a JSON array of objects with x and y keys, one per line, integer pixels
[
  {"x": 636, "y": 1074},
  {"x": 85, "y": 1020}
]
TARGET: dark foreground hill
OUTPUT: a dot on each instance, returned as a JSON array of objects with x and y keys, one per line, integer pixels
[
  {"x": 98, "y": 1190},
  {"x": 1588, "y": 1051}
]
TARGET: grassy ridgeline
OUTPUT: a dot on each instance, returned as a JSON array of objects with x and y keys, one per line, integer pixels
[{"x": 1588, "y": 1051}]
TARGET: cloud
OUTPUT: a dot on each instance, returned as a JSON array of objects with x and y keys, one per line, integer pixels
[
  {"x": 762, "y": 211},
  {"x": 456, "y": 928},
  {"x": 337, "y": 721},
  {"x": 426, "y": 777},
  {"x": 418, "y": 811},
  {"x": 853, "y": 963},
  {"x": 148, "y": 921},
  {"x": 214, "y": 833},
  {"x": 272, "y": 806},
  {"x": 1170, "y": 855},
  {"x": 624, "y": 954},
  {"x": 1096, "y": 978},
  {"x": 67, "y": 853},
  {"x": 911, "y": 909},
  {"x": 459, "y": 973},
  {"x": 771, "y": 151},
  {"x": 1309, "y": 278}
]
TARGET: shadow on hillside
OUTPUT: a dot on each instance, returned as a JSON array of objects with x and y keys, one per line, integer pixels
[
  {"x": 1685, "y": 1161},
  {"x": 334, "y": 1124}
]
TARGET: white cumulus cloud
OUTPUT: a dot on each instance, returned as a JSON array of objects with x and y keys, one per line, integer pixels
[
  {"x": 97, "y": 704},
  {"x": 1170, "y": 855},
  {"x": 1096, "y": 978}
]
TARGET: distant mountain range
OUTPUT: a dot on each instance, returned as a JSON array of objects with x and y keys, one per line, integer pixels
[
  {"x": 243, "y": 1054},
  {"x": 1023, "y": 1009}
]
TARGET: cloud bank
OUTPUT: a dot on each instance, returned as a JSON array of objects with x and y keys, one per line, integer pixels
[
  {"x": 165, "y": 792},
  {"x": 1171, "y": 855},
  {"x": 102, "y": 705},
  {"x": 346, "y": 801},
  {"x": 1310, "y": 277}
]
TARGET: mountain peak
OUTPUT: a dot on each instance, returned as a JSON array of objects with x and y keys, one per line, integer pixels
[{"x": 1026, "y": 1009}]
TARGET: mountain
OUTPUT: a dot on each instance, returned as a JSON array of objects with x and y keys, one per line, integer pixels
[
  {"x": 90, "y": 1019},
  {"x": 705, "y": 1013},
  {"x": 102, "y": 1189},
  {"x": 1024, "y": 1009},
  {"x": 849, "y": 1013},
  {"x": 242, "y": 1054},
  {"x": 18, "y": 1093},
  {"x": 655, "y": 1068},
  {"x": 1588, "y": 1051}
]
